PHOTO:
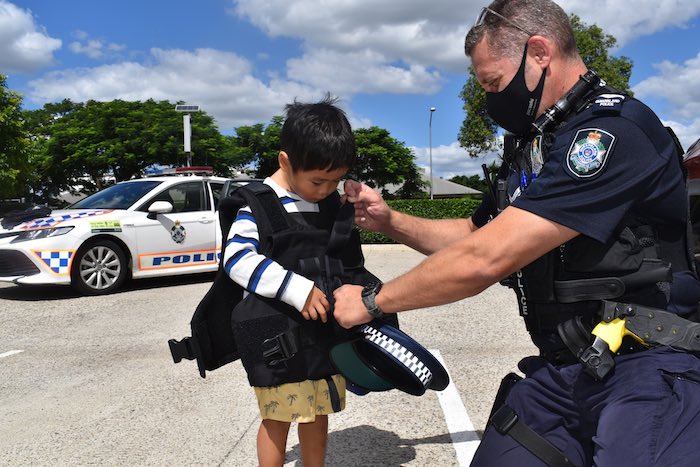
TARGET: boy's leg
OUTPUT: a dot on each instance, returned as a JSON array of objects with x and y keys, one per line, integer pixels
[
  {"x": 272, "y": 443},
  {"x": 313, "y": 437}
]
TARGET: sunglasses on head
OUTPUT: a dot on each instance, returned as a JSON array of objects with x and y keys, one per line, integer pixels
[{"x": 486, "y": 11}]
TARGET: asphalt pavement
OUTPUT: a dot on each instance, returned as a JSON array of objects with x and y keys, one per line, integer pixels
[{"x": 90, "y": 381}]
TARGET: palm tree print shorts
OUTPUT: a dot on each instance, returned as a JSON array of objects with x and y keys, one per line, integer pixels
[{"x": 301, "y": 402}]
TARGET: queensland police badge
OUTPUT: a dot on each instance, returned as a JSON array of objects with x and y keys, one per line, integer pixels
[
  {"x": 178, "y": 232},
  {"x": 589, "y": 152}
]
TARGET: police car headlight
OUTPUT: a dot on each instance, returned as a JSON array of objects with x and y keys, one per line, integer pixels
[{"x": 41, "y": 233}]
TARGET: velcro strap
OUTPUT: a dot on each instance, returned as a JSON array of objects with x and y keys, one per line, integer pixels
[
  {"x": 604, "y": 288},
  {"x": 588, "y": 289}
]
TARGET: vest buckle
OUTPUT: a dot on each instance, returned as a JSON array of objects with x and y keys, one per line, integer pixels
[{"x": 277, "y": 350}]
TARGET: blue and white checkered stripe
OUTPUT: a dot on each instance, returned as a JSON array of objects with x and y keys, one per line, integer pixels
[
  {"x": 57, "y": 261},
  {"x": 399, "y": 352},
  {"x": 53, "y": 220}
]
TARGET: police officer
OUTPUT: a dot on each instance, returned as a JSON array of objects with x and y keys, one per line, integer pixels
[{"x": 590, "y": 224}]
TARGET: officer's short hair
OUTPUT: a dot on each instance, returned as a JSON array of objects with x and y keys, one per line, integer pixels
[
  {"x": 318, "y": 136},
  {"x": 541, "y": 17}
]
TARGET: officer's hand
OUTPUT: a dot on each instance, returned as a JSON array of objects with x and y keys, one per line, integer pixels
[
  {"x": 316, "y": 306},
  {"x": 371, "y": 212},
  {"x": 349, "y": 310}
]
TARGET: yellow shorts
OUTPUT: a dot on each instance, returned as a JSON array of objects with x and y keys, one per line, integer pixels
[{"x": 300, "y": 402}]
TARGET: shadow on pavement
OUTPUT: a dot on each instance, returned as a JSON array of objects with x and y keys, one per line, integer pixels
[
  {"x": 369, "y": 446},
  {"x": 32, "y": 293}
]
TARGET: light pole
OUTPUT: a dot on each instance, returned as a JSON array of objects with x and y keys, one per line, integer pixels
[
  {"x": 187, "y": 128},
  {"x": 430, "y": 138}
]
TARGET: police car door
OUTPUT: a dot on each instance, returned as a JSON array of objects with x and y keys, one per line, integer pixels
[{"x": 180, "y": 241}]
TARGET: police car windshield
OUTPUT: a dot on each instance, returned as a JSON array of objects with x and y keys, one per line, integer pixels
[{"x": 119, "y": 196}]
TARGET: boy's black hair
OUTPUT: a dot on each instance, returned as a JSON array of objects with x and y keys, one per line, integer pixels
[{"x": 318, "y": 136}]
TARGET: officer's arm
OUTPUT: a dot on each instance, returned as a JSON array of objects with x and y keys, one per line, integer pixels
[
  {"x": 427, "y": 235},
  {"x": 512, "y": 240}
]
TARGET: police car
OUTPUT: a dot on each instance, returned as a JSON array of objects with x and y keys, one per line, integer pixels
[
  {"x": 691, "y": 160},
  {"x": 157, "y": 226}
]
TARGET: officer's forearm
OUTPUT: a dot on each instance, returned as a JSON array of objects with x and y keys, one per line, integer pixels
[
  {"x": 427, "y": 235},
  {"x": 443, "y": 277},
  {"x": 470, "y": 265}
]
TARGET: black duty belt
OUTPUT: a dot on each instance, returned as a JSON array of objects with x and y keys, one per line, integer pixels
[{"x": 648, "y": 327}]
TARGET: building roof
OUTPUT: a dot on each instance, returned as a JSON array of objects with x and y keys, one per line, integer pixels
[{"x": 442, "y": 188}]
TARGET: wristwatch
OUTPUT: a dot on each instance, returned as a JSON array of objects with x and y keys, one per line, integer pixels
[{"x": 369, "y": 293}]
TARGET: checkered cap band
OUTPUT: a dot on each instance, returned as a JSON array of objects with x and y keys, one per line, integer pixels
[{"x": 399, "y": 352}]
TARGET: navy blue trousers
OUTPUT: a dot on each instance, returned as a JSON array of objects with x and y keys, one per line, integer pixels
[{"x": 646, "y": 413}]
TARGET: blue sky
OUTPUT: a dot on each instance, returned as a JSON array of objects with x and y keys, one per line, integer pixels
[{"x": 389, "y": 61}]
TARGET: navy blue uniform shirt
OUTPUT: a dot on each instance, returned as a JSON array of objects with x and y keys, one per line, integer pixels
[{"x": 612, "y": 158}]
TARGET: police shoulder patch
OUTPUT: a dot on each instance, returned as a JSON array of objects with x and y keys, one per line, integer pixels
[{"x": 589, "y": 151}]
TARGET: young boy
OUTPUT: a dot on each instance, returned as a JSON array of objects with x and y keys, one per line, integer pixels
[{"x": 317, "y": 147}]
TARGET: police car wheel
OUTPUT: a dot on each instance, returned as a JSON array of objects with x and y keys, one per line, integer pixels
[{"x": 99, "y": 268}]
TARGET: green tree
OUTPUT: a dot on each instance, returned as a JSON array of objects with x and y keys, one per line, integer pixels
[
  {"x": 14, "y": 145},
  {"x": 593, "y": 45},
  {"x": 382, "y": 160},
  {"x": 89, "y": 143},
  {"x": 258, "y": 145},
  {"x": 478, "y": 131}
]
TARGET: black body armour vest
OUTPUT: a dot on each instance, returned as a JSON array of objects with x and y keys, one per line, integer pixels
[
  {"x": 571, "y": 281},
  {"x": 328, "y": 252},
  {"x": 274, "y": 342}
]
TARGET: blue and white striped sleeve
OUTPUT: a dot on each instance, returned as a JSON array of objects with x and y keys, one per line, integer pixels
[{"x": 257, "y": 273}]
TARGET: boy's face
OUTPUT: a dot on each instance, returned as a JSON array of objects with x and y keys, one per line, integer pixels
[{"x": 314, "y": 185}]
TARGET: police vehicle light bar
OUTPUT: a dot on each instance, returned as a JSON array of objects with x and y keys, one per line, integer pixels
[{"x": 198, "y": 170}]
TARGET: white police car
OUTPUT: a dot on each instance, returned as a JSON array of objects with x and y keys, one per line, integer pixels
[{"x": 155, "y": 226}]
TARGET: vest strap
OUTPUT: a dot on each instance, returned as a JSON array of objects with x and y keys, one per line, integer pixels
[
  {"x": 506, "y": 422},
  {"x": 603, "y": 288}
]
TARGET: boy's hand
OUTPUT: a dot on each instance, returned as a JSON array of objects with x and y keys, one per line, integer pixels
[
  {"x": 316, "y": 306},
  {"x": 349, "y": 310},
  {"x": 371, "y": 212}
]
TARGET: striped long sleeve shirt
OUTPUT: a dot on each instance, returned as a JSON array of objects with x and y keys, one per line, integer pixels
[{"x": 257, "y": 273}]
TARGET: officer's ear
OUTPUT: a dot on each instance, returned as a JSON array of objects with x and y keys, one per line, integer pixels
[{"x": 540, "y": 50}]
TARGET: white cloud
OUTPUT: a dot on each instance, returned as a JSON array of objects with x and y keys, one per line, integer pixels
[
  {"x": 24, "y": 46},
  {"x": 627, "y": 20},
  {"x": 450, "y": 160},
  {"x": 220, "y": 82},
  {"x": 687, "y": 134},
  {"x": 405, "y": 31},
  {"x": 679, "y": 84},
  {"x": 362, "y": 71},
  {"x": 94, "y": 48}
]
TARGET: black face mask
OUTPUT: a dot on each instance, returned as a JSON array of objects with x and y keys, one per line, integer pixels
[{"x": 515, "y": 107}]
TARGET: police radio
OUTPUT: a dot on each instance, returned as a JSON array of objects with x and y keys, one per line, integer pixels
[{"x": 565, "y": 105}]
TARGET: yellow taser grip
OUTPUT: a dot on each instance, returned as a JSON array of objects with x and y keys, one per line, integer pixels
[{"x": 613, "y": 332}]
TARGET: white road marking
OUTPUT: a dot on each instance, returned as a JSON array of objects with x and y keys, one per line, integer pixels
[
  {"x": 461, "y": 428},
  {"x": 10, "y": 353}
]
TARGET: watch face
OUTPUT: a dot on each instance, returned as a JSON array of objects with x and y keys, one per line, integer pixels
[{"x": 369, "y": 289}]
